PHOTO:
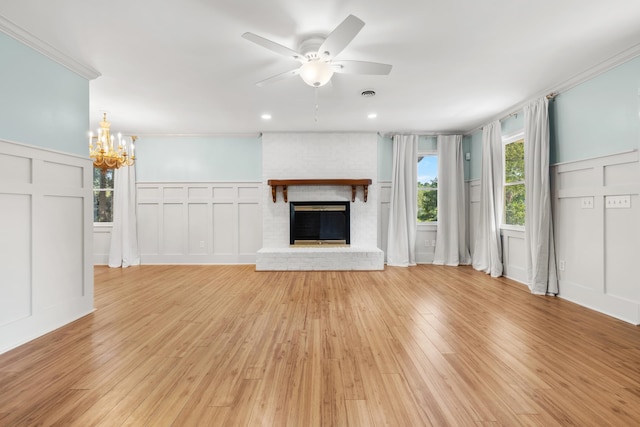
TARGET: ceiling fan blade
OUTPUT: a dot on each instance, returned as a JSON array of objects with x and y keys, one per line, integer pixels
[
  {"x": 274, "y": 47},
  {"x": 279, "y": 77},
  {"x": 360, "y": 67},
  {"x": 340, "y": 37}
]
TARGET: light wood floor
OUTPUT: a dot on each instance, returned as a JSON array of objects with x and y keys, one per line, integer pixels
[{"x": 224, "y": 345}]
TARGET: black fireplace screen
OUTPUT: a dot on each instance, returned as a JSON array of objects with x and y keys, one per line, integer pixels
[{"x": 319, "y": 223}]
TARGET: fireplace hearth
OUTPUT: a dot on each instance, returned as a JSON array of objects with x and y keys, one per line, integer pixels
[{"x": 319, "y": 223}]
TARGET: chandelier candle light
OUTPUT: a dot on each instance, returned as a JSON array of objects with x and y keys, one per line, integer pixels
[{"x": 105, "y": 154}]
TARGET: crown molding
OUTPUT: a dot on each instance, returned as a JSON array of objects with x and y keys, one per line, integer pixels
[
  {"x": 40, "y": 46},
  {"x": 588, "y": 74},
  {"x": 600, "y": 68}
]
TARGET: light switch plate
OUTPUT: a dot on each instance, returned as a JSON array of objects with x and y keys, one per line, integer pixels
[
  {"x": 618, "y": 202},
  {"x": 586, "y": 202}
]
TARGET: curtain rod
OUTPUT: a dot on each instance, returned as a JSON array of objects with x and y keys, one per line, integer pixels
[
  {"x": 550, "y": 96},
  {"x": 423, "y": 133}
]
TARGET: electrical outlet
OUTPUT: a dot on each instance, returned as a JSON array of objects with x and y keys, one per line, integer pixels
[
  {"x": 561, "y": 265},
  {"x": 202, "y": 243}
]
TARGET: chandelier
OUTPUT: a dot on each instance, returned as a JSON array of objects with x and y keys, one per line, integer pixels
[{"x": 106, "y": 154}]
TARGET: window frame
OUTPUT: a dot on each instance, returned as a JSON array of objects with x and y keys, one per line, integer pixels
[
  {"x": 103, "y": 189},
  {"x": 506, "y": 140},
  {"x": 427, "y": 153}
]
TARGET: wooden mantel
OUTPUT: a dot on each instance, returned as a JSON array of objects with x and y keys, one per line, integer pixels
[{"x": 353, "y": 183}]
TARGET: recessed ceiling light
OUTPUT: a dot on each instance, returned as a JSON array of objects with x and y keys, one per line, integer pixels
[
  {"x": 372, "y": 115},
  {"x": 266, "y": 117}
]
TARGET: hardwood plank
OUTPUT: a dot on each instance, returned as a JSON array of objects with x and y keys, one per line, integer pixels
[
  {"x": 358, "y": 413},
  {"x": 225, "y": 345}
]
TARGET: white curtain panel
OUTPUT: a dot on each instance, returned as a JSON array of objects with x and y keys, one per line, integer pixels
[
  {"x": 124, "y": 236},
  {"x": 538, "y": 236},
  {"x": 451, "y": 241},
  {"x": 401, "y": 244},
  {"x": 487, "y": 252}
]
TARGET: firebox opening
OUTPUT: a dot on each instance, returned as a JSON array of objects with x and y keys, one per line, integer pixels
[{"x": 319, "y": 223}]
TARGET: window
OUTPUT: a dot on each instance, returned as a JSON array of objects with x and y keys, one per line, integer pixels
[
  {"x": 102, "y": 195},
  {"x": 427, "y": 188},
  {"x": 514, "y": 194}
]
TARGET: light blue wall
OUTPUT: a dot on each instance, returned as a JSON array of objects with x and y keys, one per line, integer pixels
[
  {"x": 199, "y": 159},
  {"x": 466, "y": 148},
  {"x": 475, "y": 148},
  {"x": 509, "y": 126},
  {"x": 42, "y": 103},
  {"x": 599, "y": 116},
  {"x": 513, "y": 124},
  {"x": 385, "y": 153},
  {"x": 427, "y": 143}
]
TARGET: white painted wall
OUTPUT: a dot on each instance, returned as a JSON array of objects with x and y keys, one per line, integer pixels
[
  {"x": 45, "y": 241},
  {"x": 600, "y": 247},
  {"x": 199, "y": 223},
  {"x": 320, "y": 155}
]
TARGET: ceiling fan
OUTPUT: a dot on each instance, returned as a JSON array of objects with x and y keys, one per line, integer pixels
[{"x": 317, "y": 55}]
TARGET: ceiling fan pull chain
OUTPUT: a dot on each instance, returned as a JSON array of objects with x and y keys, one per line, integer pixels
[{"x": 317, "y": 107}]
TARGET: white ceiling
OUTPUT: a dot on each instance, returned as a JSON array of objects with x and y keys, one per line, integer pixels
[{"x": 181, "y": 66}]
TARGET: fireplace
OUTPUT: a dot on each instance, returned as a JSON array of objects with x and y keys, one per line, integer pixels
[{"x": 319, "y": 223}]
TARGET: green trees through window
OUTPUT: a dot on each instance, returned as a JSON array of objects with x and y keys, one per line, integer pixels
[
  {"x": 514, "y": 193},
  {"x": 102, "y": 195},
  {"x": 427, "y": 188}
]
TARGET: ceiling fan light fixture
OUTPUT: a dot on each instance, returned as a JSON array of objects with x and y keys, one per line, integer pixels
[{"x": 316, "y": 72}]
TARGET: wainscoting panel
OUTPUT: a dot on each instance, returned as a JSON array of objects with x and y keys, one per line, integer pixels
[
  {"x": 223, "y": 228},
  {"x": 248, "y": 245},
  {"x": 15, "y": 259},
  {"x": 173, "y": 226},
  {"x": 198, "y": 227},
  {"x": 62, "y": 215},
  {"x": 513, "y": 255},
  {"x": 62, "y": 175},
  {"x": 598, "y": 246},
  {"x": 101, "y": 243},
  {"x": 199, "y": 223},
  {"x": 46, "y": 241},
  {"x": 148, "y": 225}
]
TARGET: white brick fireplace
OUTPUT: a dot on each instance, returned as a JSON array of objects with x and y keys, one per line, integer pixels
[{"x": 320, "y": 156}]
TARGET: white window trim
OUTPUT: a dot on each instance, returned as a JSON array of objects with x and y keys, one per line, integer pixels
[
  {"x": 508, "y": 139},
  {"x": 427, "y": 225}
]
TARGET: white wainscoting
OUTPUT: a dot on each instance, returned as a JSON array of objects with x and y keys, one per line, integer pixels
[
  {"x": 513, "y": 255},
  {"x": 599, "y": 246},
  {"x": 101, "y": 243},
  {"x": 199, "y": 223},
  {"x": 46, "y": 269}
]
